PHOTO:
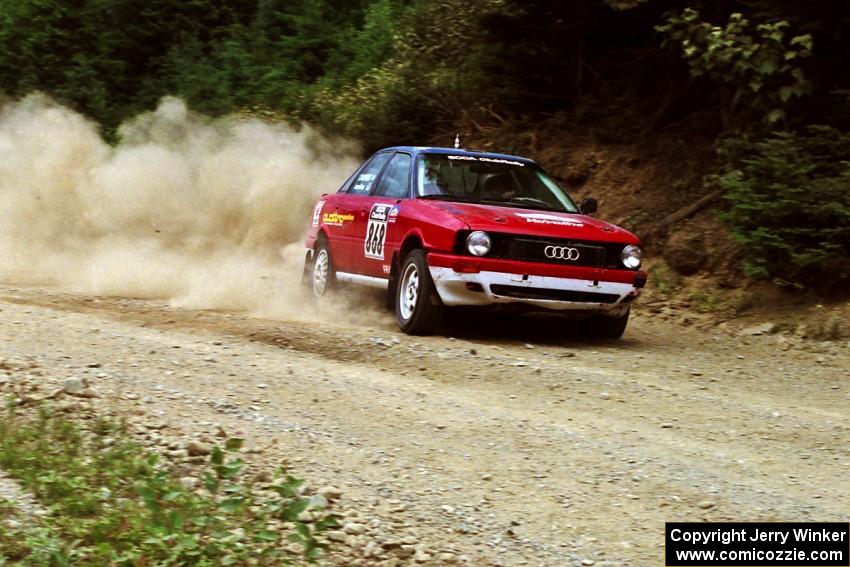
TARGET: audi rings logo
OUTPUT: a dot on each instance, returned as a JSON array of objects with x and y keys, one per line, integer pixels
[{"x": 561, "y": 253}]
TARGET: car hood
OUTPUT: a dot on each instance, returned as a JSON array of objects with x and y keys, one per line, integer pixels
[{"x": 515, "y": 220}]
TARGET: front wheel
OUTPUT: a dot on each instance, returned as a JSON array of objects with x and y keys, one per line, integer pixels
[
  {"x": 606, "y": 327},
  {"x": 417, "y": 307}
]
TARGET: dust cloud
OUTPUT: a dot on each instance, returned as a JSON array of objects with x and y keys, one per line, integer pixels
[{"x": 202, "y": 213}]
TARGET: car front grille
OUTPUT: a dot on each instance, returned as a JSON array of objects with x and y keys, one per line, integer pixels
[
  {"x": 561, "y": 251},
  {"x": 522, "y": 292},
  {"x": 570, "y": 253}
]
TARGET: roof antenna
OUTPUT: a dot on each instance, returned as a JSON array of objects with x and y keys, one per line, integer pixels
[{"x": 457, "y": 141}]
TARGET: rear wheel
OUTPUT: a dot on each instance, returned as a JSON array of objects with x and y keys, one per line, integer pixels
[
  {"x": 606, "y": 327},
  {"x": 322, "y": 275},
  {"x": 417, "y": 307}
]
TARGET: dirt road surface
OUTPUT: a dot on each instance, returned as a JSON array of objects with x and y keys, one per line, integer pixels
[{"x": 493, "y": 445}]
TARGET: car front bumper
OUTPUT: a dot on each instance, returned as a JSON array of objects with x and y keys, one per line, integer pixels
[{"x": 464, "y": 280}]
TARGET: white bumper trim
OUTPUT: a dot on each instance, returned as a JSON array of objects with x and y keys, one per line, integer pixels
[{"x": 453, "y": 290}]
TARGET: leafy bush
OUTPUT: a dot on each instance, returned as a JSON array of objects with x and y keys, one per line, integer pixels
[
  {"x": 112, "y": 504},
  {"x": 790, "y": 205},
  {"x": 756, "y": 65}
]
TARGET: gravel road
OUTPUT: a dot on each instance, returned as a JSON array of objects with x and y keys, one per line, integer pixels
[{"x": 510, "y": 446}]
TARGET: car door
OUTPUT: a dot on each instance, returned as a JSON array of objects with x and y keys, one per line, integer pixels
[
  {"x": 376, "y": 220},
  {"x": 340, "y": 216}
]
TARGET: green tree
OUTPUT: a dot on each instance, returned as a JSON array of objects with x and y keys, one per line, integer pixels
[
  {"x": 100, "y": 56},
  {"x": 789, "y": 206}
]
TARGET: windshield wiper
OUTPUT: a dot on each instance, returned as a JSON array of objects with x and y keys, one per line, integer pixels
[
  {"x": 534, "y": 201},
  {"x": 524, "y": 202},
  {"x": 463, "y": 198}
]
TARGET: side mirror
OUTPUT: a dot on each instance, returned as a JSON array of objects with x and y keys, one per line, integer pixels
[{"x": 588, "y": 206}]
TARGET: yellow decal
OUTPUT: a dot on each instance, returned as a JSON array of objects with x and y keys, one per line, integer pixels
[{"x": 336, "y": 219}]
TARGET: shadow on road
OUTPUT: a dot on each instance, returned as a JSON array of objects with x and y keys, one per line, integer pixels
[
  {"x": 541, "y": 328},
  {"x": 498, "y": 326}
]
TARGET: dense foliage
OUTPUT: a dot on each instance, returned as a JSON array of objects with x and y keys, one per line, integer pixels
[
  {"x": 395, "y": 71},
  {"x": 353, "y": 63},
  {"x": 756, "y": 66},
  {"x": 390, "y": 70},
  {"x": 789, "y": 200}
]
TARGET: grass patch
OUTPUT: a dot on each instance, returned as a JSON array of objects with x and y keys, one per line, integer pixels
[
  {"x": 112, "y": 502},
  {"x": 665, "y": 280},
  {"x": 707, "y": 302}
]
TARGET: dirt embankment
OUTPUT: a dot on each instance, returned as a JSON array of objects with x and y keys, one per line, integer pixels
[{"x": 528, "y": 446}]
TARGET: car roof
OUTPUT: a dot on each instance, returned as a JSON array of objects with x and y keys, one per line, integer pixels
[{"x": 456, "y": 152}]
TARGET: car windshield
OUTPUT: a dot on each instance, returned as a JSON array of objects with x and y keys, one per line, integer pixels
[{"x": 490, "y": 181}]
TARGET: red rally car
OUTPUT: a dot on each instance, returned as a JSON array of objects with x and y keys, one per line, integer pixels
[{"x": 441, "y": 227}]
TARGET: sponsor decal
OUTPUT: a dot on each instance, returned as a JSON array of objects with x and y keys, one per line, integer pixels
[
  {"x": 336, "y": 219},
  {"x": 542, "y": 218},
  {"x": 317, "y": 212},
  {"x": 386, "y": 268},
  {"x": 393, "y": 215},
  {"x": 376, "y": 231},
  {"x": 488, "y": 160},
  {"x": 364, "y": 183},
  {"x": 379, "y": 212},
  {"x": 450, "y": 209}
]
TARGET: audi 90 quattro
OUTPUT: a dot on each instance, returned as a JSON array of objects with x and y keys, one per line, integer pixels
[{"x": 440, "y": 227}]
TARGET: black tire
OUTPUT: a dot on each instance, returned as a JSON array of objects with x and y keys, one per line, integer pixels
[
  {"x": 322, "y": 275},
  {"x": 417, "y": 306},
  {"x": 607, "y": 327}
]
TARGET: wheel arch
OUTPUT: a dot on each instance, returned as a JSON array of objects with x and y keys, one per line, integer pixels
[
  {"x": 312, "y": 244},
  {"x": 411, "y": 242},
  {"x": 321, "y": 236}
]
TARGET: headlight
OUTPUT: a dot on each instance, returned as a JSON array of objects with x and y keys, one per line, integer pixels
[
  {"x": 478, "y": 243},
  {"x": 631, "y": 256}
]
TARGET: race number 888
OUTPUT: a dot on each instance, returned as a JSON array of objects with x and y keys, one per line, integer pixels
[
  {"x": 375, "y": 237},
  {"x": 376, "y": 232}
]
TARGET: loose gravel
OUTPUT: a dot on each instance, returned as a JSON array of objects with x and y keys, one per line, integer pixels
[{"x": 520, "y": 446}]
